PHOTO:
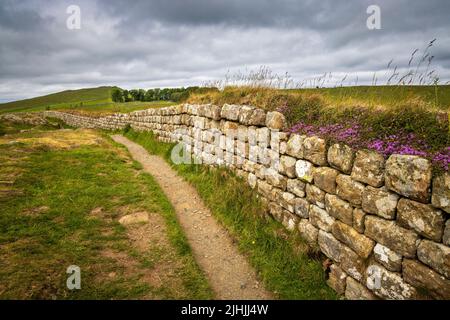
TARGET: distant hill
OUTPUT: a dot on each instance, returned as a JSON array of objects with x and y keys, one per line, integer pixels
[{"x": 62, "y": 100}]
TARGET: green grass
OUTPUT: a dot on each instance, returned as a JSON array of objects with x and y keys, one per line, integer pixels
[
  {"x": 36, "y": 246},
  {"x": 435, "y": 97},
  {"x": 9, "y": 127},
  {"x": 90, "y": 99},
  {"x": 64, "y": 99},
  {"x": 287, "y": 266}
]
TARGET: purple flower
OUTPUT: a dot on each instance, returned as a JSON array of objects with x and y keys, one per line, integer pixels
[{"x": 353, "y": 135}]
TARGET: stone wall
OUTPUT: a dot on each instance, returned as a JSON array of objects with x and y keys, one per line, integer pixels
[{"x": 384, "y": 224}]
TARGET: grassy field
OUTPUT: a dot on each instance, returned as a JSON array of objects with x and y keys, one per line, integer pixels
[
  {"x": 64, "y": 99},
  {"x": 61, "y": 195},
  {"x": 385, "y": 97},
  {"x": 435, "y": 97},
  {"x": 287, "y": 265},
  {"x": 90, "y": 99},
  {"x": 99, "y": 99}
]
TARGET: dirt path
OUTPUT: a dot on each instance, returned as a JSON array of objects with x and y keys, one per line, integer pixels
[{"x": 229, "y": 273}]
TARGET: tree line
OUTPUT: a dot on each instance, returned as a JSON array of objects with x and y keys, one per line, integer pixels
[{"x": 157, "y": 94}]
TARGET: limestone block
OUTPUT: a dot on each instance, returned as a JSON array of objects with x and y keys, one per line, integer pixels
[
  {"x": 409, "y": 176},
  {"x": 390, "y": 234},
  {"x": 423, "y": 218},
  {"x": 340, "y": 156}
]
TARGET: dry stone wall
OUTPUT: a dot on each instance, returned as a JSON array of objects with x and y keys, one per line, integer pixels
[{"x": 384, "y": 224}]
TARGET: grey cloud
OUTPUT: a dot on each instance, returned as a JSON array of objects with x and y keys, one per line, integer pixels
[{"x": 182, "y": 42}]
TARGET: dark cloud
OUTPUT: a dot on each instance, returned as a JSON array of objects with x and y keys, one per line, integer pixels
[{"x": 184, "y": 42}]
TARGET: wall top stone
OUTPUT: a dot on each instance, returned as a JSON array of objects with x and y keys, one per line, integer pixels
[
  {"x": 409, "y": 176},
  {"x": 276, "y": 120}
]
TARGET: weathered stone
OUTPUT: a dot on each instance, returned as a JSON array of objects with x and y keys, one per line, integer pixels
[
  {"x": 304, "y": 170},
  {"x": 276, "y": 179},
  {"x": 242, "y": 149},
  {"x": 264, "y": 188},
  {"x": 242, "y": 133},
  {"x": 423, "y": 218},
  {"x": 252, "y": 180},
  {"x": 436, "y": 255},
  {"x": 275, "y": 120},
  {"x": 352, "y": 263},
  {"x": 329, "y": 245},
  {"x": 379, "y": 201},
  {"x": 337, "y": 279},
  {"x": 296, "y": 187},
  {"x": 263, "y": 136},
  {"x": 446, "y": 236},
  {"x": 315, "y": 195},
  {"x": 249, "y": 166},
  {"x": 387, "y": 257},
  {"x": 230, "y": 129},
  {"x": 356, "y": 291},
  {"x": 388, "y": 285},
  {"x": 254, "y": 153},
  {"x": 287, "y": 166},
  {"x": 245, "y": 114},
  {"x": 276, "y": 195},
  {"x": 315, "y": 150},
  {"x": 339, "y": 209},
  {"x": 391, "y": 235},
  {"x": 276, "y": 140},
  {"x": 359, "y": 217},
  {"x": 347, "y": 259},
  {"x": 294, "y": 146},
  {"x": 361, "y": 244},
  {"x": 409, "y": 176},
  {"x": 257, "y": 118},
  {"x": 320, "y": 218},
  {"x": 340, "y": 156},
  {"x": 213, "y": 112},
  {"x": 287, "y": 201},
  {"x": 199, "y": 122},
  {"x": 368, "y": 168},
  {"x": 441, "y": 192},
  {"x": 230, "y": 112},
  {"x": 308, "y": 231},
  {"x": 283, "y": 147},
  {"x": 134, "y": 218},
  {"x": 325, "y": 179},
  {"x": 274, "y": 159},
  {"x": 349, "y": 190},
  {"x": 260, "y": 172},
  {"x": 301, "y": 207},
  {"x": 420, "y": 276},
  {"x": 276, "y": 211},
  {"x": 289, "y": 220}
]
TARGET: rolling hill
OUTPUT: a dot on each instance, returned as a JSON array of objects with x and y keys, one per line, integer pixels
[
  {"x": 89, "y": 99},
  {"x": 62, "y": 100}
]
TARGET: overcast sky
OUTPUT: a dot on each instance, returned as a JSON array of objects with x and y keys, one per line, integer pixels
[{"x": 168, "y": 43}]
